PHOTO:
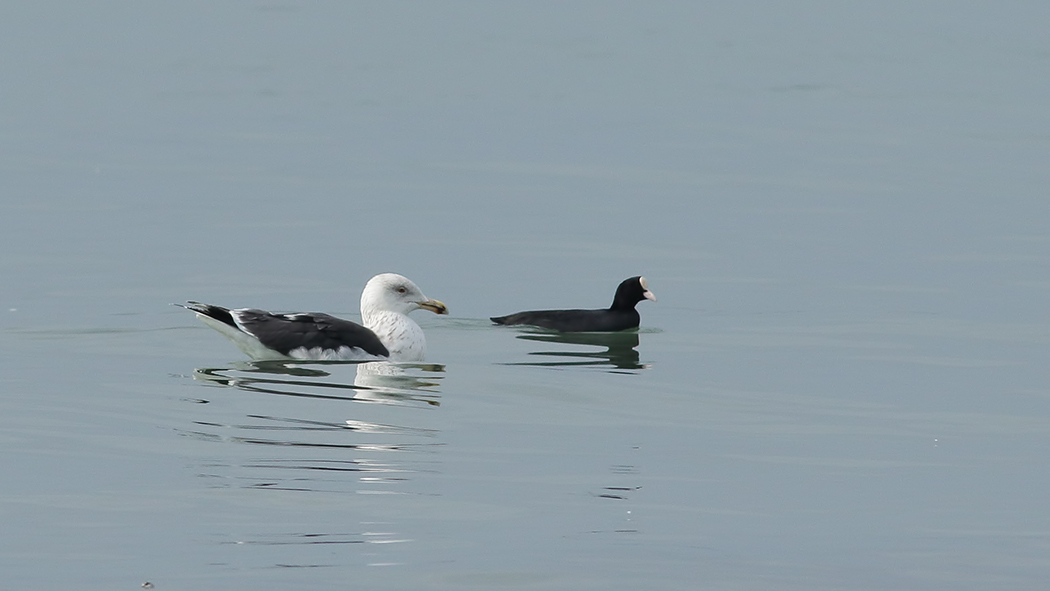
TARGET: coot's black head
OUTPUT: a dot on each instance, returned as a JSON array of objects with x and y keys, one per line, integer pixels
[{"x": 630, "y": 292}]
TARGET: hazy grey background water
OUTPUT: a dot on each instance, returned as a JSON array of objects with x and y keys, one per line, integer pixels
[{"x": 841, "y": 206}]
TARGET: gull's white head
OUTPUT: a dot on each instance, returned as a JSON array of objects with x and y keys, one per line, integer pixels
[{"x": 390, "y": 292}]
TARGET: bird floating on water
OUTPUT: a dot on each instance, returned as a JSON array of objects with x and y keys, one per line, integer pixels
[
  {"x": 388, "y": 332},
  {"x": 620, "y": 316}
]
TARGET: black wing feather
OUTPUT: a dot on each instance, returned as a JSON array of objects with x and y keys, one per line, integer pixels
[{"x": 285, "y": 332}]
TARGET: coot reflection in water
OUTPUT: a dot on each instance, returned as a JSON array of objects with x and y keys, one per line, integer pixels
[{"x": 616, "y": 350}]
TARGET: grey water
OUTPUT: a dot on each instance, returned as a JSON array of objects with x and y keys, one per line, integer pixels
[{"x": 842, "y": 208}]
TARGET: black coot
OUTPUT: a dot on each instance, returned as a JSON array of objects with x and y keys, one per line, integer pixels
[{"x": 620, "y": 316}]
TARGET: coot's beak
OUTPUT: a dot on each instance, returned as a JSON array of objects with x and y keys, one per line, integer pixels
[
  {"x": 645, "y": 289},
  {"x": 434, "y": 306}
]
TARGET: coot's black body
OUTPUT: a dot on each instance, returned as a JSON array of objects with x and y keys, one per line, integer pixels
[{"x": 620, "y": 316}]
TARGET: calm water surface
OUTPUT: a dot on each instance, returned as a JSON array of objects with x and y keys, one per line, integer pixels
[{"x": 841, "y": 208}]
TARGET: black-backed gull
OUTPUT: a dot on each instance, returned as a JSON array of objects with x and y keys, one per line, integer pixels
[{"x": 388, "y": 332}]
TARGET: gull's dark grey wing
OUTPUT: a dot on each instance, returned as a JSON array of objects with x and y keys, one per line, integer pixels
[{"x": 286, "y": 332}]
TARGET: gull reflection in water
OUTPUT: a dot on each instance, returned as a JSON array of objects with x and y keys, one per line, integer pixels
[
  {"x": 334, "y": 428},
  {"x": 615, "y": 350},
  {"x": 378, "y": 381}
]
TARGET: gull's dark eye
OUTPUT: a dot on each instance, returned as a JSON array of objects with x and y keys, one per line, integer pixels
[{"x": 402, "y": 289}]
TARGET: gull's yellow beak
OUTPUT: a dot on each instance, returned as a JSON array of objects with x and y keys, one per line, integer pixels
[{"x": 434, "y": 306}]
